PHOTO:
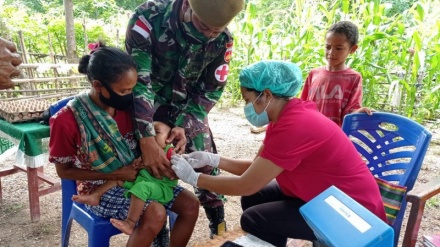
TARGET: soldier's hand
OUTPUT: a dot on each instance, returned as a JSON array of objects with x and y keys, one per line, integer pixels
[
  {"x": 154, "y": 158},
  {"x": 178, "y": 134}
]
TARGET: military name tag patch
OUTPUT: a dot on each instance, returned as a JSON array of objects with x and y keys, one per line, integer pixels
[{"x": 221, "y": 73}]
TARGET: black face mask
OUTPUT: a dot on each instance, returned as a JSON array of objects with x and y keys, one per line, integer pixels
[{"x": 116, "y": 101}]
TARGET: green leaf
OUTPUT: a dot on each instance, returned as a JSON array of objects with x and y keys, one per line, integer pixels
[
  {"x": 377, "y": 66},
  {"x": 252, "y": 9},
  {"x": 435, "y": 89},
  {"x": 400, "y": 28},
  {"x": 421, "y": 56},
  {"x": 345, "y": 5},
  {"x": 434, "y": 61},
  {"x": 376, "y": 6},
  {"x": 323, "y": 9},
  {"x": 405, "y": 85},
  {"x": 374, "y": 36},
  {"x": 416, "y": 64},
  {"x": 420, "y": 12},
  {"x": 417, "y": 41}
]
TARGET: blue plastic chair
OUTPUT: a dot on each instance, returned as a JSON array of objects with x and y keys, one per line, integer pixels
[
  {"x": 393, "y": 147},
  {"x": 55, "y": 107},
  {"x": 99, "y": 229}
]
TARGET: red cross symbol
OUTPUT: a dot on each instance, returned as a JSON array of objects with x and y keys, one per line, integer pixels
[{"x": 221, "y": 73}]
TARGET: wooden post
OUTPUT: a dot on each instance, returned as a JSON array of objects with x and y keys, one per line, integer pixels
[
  {"x": 117, "y": 37},
  {"x": 51, "y": 54},
  {"x": 70, "y": 32},
  {"x": 26, "y": 61},
  {"x": 23, "y": 47},
  {"x": 85, "y": 37},
  {"x": 54, "y": 61}
]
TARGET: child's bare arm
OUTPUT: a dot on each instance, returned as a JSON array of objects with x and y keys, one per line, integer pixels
[{"x": 364, "y": 109}]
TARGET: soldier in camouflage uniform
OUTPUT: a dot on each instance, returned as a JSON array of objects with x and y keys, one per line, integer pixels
[{"x": 183, "y": 49}]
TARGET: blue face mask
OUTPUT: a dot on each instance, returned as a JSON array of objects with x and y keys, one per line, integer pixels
[{"x": 255, "y": 118}]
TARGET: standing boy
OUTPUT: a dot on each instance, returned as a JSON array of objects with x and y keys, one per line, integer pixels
[{"x": 337, "y": 89}]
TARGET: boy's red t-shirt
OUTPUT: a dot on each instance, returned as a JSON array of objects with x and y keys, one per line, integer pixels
[
  {"x": 315, "y": 154},
  {"x": 336, "y": 94}
]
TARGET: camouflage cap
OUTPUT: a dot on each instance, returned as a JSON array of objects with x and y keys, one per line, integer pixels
[{"x": 216, "y": 13}]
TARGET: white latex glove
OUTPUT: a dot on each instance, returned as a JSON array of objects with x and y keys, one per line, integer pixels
[
  {"x": 200, "y": 159},
  {"x": 184, "y": 170}
]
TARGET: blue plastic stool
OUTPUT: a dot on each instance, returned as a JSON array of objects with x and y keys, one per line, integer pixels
[{"x": 99, "y": 230}]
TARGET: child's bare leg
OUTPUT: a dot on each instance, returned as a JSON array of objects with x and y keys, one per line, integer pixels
[
  {"x": 134, "y": 212},
  {"x": 186, "y": 206},
  {"x": 94, "y": 198}
]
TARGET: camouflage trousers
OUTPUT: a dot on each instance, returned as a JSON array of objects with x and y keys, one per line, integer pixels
[{"x": 205, "y": 142}]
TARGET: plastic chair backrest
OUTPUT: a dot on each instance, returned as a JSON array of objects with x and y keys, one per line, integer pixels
[
  {"x": 393, "y": 148},
  {"x": 55, "y": 107}
]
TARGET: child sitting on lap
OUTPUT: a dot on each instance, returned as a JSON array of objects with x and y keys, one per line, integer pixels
[{"x": 145, "y": 187}]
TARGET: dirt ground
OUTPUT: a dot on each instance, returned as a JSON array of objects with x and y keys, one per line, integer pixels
[{"x": 233, "y": 139}]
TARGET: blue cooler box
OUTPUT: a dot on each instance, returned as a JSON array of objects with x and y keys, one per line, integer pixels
[{"x": 338, "y": 220}]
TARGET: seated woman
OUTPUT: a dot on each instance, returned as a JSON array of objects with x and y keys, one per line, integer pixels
[
  {"x": 92, "y": 140},
  {"x": 302, "y": 155}
]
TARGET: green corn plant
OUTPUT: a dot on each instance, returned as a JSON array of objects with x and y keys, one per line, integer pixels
[{"x": 398, "y": 54}]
